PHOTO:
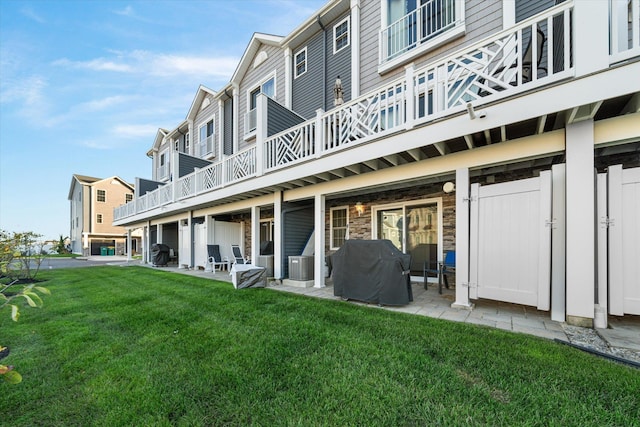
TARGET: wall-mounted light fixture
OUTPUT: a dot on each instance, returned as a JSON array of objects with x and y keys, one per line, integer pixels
[
  {"x": 359, "y": 208},
  {"x": 473, "y": 113},
  {"x": 448, "y": 187}
]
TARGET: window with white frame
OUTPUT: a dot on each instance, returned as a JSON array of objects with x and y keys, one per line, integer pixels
[
  {"x": 339, "y": 226},
  {"x": 206, "y": 138},
  {"x": 99, "y": 218},
  {"x": 187, "y": 143},
  {"x": 101, "y": 196},
  {"x": 268, "y": 87},
  {"x": 341, "y": 37},
  {"x": 300, "y": 60},
  {"x": 163, "y": 168}
]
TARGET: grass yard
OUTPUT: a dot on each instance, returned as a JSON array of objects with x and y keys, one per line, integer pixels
[{"x": 133, "y": 346}]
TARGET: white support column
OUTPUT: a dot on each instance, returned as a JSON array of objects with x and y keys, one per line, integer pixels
[
  {"x": 255, "y": 234},
  {"x": 277, "y": 238},
  {"x": 220, "y": 129},
  {"x": 508, "y": 13},
  {"x": 144, "y": 245},
  {"x": 236, "y": 119},
  {"x": 355, "y": 49},
  {"x": 159, "y": 233},
  {"x": 602, "y": 282},
  {"x": 462, "y": 240},
  {"x": 409, "y": 96},
  {"x": 580, "y": 222},
  {"x": 261, "y": 132},
  {"x": 288, "y": 66},
  {"x": 319, "y": 136},
  {"x": 590, "y": 36},
  {"x": 128, "y": 245},
  {"x": 558, "y": 244},
  {"x": 174, "y": 174},
  {"x": 319, "y": 230}
]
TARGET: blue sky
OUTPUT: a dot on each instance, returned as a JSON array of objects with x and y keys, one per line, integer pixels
[{"x": 85, "y": 85}]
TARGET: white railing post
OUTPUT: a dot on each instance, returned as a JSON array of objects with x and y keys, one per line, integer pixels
[
  {"x": 318, "y": 138},
  {"x": 590, "y": 36},
  {"x": 261, "y": 132},
  {"x": 409, "y": 96}
]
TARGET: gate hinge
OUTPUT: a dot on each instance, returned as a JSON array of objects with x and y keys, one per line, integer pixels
[
  {"x": 607, "y": 222},
  {"x": 468, "y": 199},
  {"x": 469, "y": 285}
]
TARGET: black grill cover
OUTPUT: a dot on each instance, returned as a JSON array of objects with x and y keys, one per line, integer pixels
[
  {"x": 372, "y": 271},
  {"x": 159, "y": 254}
]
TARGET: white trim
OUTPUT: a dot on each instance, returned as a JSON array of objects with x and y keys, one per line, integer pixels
[
  {"x": 331, "y": 228},
  {"x": 247, "y": 134},
  {"x": 348, "y": 33},
  {"x": 210, "y": 153},
  {"x": 295, "y": 62}
]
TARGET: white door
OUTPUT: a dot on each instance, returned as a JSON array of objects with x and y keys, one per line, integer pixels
[
  {"x": 624, "y": 240},
  {"x": 510, "y": 251},
  {"x": 200, "y": 245}
]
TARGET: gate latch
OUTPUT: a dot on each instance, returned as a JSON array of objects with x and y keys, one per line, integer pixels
[{"x": 607, "y": 222}]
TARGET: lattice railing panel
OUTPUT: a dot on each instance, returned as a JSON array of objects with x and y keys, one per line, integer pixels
[{"x": 295, "y": 144}]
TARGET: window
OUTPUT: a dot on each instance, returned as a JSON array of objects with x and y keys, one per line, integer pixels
[
  {"x": 339, "y": 226},
  {"x": 163, "y": 170},
  {"x": 341, "y": 35},
  {"x": 409, "y": 24},
  {"x": 102, "y": 196},
  {"x": 206, "y": 138},
  {"x": 128, "y": 198},
  {"x": 268, "y": 87},
  {"x": 99, "y": 218},
  {"x": 300, "y": 60},
  {"x": 187, "y": 144}
]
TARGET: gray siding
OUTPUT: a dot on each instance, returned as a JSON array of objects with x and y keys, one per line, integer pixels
[
  {"x": 202, "y": 117},
  {"x": 280, "y": 118},
  {"x": 297, "y": 226},
  {"x": 228, "y": 127},
  {"x": 187, "y": 164},
  {"x": 314, "y": 89},
  {"x": 527, "y": 8},
  {"x": 255, "y": 76},
  {"x": 307, "y": 92},
  {"x": 482, "y": 18},
  {"x": 143, "y": 186}
]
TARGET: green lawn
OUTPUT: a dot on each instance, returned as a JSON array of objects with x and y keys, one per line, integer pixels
[{"x": 133, "y": 346}]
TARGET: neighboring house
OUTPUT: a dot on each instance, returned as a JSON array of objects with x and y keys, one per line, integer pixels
[
  {"x": 92, "y": 201},
  {"x": 508, "y": 131}
]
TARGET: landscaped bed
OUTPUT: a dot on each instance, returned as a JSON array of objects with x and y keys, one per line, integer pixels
[{"x": 136, "y": 346}]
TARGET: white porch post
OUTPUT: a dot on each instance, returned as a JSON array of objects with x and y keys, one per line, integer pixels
[
  {"x": 462, "y": 240},
  {"x": 236, "y": 121},
  {"x": 287, "y": 78},
  {"x": 277, "y": 238},
  {"x": 558, "y": 244},
  {"x": 409, "y": 96},
  {"x": 159, "y": 233},
  {"x": 319, "y": 227},
  {"x": 128, "y": 245},
  {"x": 255, "y": 234},
  {"x": 580, "y": 201}
]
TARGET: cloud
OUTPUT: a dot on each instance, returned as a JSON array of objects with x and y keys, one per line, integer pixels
[
  {"x": 31, "y": 14},
  {"x": 135, "y": 131},
  {"x": 127, "y": 11},
  {"x": 98, "y": 64},
  {"x": 103, "y": 104}
]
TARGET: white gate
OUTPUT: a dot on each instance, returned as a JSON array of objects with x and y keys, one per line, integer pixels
[
  {"x": 200, "y": 245},
  {"x": 624, "y": 240},
  {"x": 510, "y": 241}
]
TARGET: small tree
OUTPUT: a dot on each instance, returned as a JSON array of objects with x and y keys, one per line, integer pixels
[
  {"x": 60, "y": 246},
  {"x": 21, "y": 255},
  {"x": 17, "y": 253}
]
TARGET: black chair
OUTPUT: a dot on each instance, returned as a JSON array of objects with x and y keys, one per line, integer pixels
[
  {"x": 215, "y": 259},
  {"x": 237, "y": 255},
  {"x": 441, "y": 270}
]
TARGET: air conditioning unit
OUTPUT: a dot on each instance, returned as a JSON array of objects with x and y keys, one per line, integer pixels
[
  {"x": 301, "y": 267},
  {"x": 266, "y": 261}
]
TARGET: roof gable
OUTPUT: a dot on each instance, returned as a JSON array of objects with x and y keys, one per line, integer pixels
[
  {"x": 247, "y": 61},
  {"x": 197, "y": 104}
]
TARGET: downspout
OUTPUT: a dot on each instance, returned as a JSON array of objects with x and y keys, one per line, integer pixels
[{"x": 324, "y": 63}]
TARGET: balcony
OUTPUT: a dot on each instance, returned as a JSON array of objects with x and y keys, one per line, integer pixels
[{"x": 486, "y": 72}]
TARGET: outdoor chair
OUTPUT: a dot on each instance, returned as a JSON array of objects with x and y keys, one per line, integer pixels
[
  {"x": 215, "y": 259},
  {"x": 442, "y": 270},
  {"x": 237, "y": 255}
]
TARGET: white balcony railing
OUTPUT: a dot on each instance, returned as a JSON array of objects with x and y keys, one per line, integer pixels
[
  {"x": 418, "y": 26},
  {"x": 495, "y": 68},
  {"x": 250, "y": 121}
]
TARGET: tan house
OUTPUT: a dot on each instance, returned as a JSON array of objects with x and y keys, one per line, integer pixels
[{"x": 91, "y": 215}]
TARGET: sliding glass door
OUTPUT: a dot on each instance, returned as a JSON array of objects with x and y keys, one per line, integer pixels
[{"x": 414, "y": 228}]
